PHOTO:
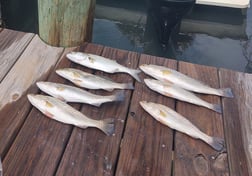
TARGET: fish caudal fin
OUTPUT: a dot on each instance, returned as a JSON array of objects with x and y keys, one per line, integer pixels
[
  {"x": 108, "y": 126},
  {"x": 119, "y": 96},
  {"x": 217, "y": 143},
  {"x": 227, "y": 92},
  {"x": 128, "y": 86},
  {"x": 134, "y": 73},
  {"x": 217, "y": 108}
]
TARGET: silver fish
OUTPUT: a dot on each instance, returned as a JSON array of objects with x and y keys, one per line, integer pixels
[
  {"x": 169, "y": 75},
  {"x": 77, "y": 95},
  {"x": 90, "y": 81},
  {"x": 101, "y": 63},
  {"x": 173, "y": 91},
  {"x": 62, "y": 112},
  {"x": 172, "y": 119}
]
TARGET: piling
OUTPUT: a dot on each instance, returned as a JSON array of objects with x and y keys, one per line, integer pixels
[{"x": 66, "y": 23}]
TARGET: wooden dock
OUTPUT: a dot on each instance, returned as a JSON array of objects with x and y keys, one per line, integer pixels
[
  {"x": 241, "y": 4},
  {"x": 32, "y": 144}
]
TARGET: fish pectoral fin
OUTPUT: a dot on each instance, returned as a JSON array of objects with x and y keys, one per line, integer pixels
[
  {"x": 61, "y": 98},
  {"x": 48, "y": 114},
  {"x": 77, "y": 82}
]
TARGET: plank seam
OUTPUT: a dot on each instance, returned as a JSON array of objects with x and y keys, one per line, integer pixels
[
  {"x": 126, "y": 119},
  {"x": 28, "y": 43},
  {"x": 57, "y": 166},
  {"x": 29, "y": 111}
]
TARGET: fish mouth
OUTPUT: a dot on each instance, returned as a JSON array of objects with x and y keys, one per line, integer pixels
[
  {"x": 75, "y": 56},
  {"x": 60, "y": 72},
  {"x": 31, "y": 98},
  {"x": 143, "y": 67},
  {"x": 148, "y": 82},
  {"x": 40, "y": 84},
  {"x": 70, "y": 55},
  {"x": 143, "y": 104}
]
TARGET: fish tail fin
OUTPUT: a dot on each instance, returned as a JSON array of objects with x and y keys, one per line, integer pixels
[
  {"x": 134, "y": 73},
  {"x": 217, "y": 143},
  {"x": 217, "y": 108},
  {"x": 108, "y": 126},
  {"x": 119, "y": 96},
  {"x": 129, "y": 86},
  {"x": 227, "y": 92}
]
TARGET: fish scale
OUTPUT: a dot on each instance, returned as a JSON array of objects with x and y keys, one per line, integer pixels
[
  {"x": 169, "y": 75},
  {"x": 90, "y": 81},
  {"x": 174, "y": 120},
  {"x": 173, "y": 91},
  {"x": 101, "y": 63},
  {"x": 64, "y": 113},
  {"x": 74, "y": 94}
]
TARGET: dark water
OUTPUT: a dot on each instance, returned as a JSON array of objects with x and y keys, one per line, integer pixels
[{"x": 220, "y": 37}]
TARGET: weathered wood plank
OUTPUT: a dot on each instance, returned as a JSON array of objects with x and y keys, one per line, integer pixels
[
  {"x": 41, "y": 140},
  {"x": 97, "y": 152},
  {"x": 194, "y": 157},
  {"x": 35, "y": 63},
  {"x": 12, "y": 44},
  {"x": 39, "y": 143},
  {"x": 146, "y": 147},
  {"x": 66, "y": 23},
  {"x": 237, "y": 121}
]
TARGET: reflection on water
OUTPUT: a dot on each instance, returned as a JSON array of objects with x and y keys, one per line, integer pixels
[
  {"x": 118, "y": 35},
  {"x": 212, "y": 36},
  {"x": 220, "y": 40},
  {"x": 208, "y": 50}
]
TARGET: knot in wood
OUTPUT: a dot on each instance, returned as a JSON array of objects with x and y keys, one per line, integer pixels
[{"x": 201, "y": 165}]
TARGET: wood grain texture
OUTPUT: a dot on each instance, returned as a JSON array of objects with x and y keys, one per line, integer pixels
[
  {"x": 194, "y": 157},
  {"x": 66, "y": 23},
  {"x": 97, "y": 152},
  {"x": 12, "y": 44},
  {"x": 34, "y": 64},
  {"x": 146, "y": 147},
  {"x": 41, "y": 141},
  {"x": 237, "y": 121}
]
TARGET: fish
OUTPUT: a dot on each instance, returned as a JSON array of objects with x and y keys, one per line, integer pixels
[
  {"x": 62, "y": 112},
  {"x": 101, "y": 63},
  {"x": 169, "y": 75},
  {"x": 174, "y": 120},
  {"x": 76, "y": 95},
  {"x": 90, "y": 81},
  {"x": 173, "y": 91}
]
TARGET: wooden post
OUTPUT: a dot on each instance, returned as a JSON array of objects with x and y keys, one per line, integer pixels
[{"x": 66, "y": 23}]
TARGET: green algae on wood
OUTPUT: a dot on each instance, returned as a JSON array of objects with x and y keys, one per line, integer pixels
[{"x": 65, "y": 23}]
